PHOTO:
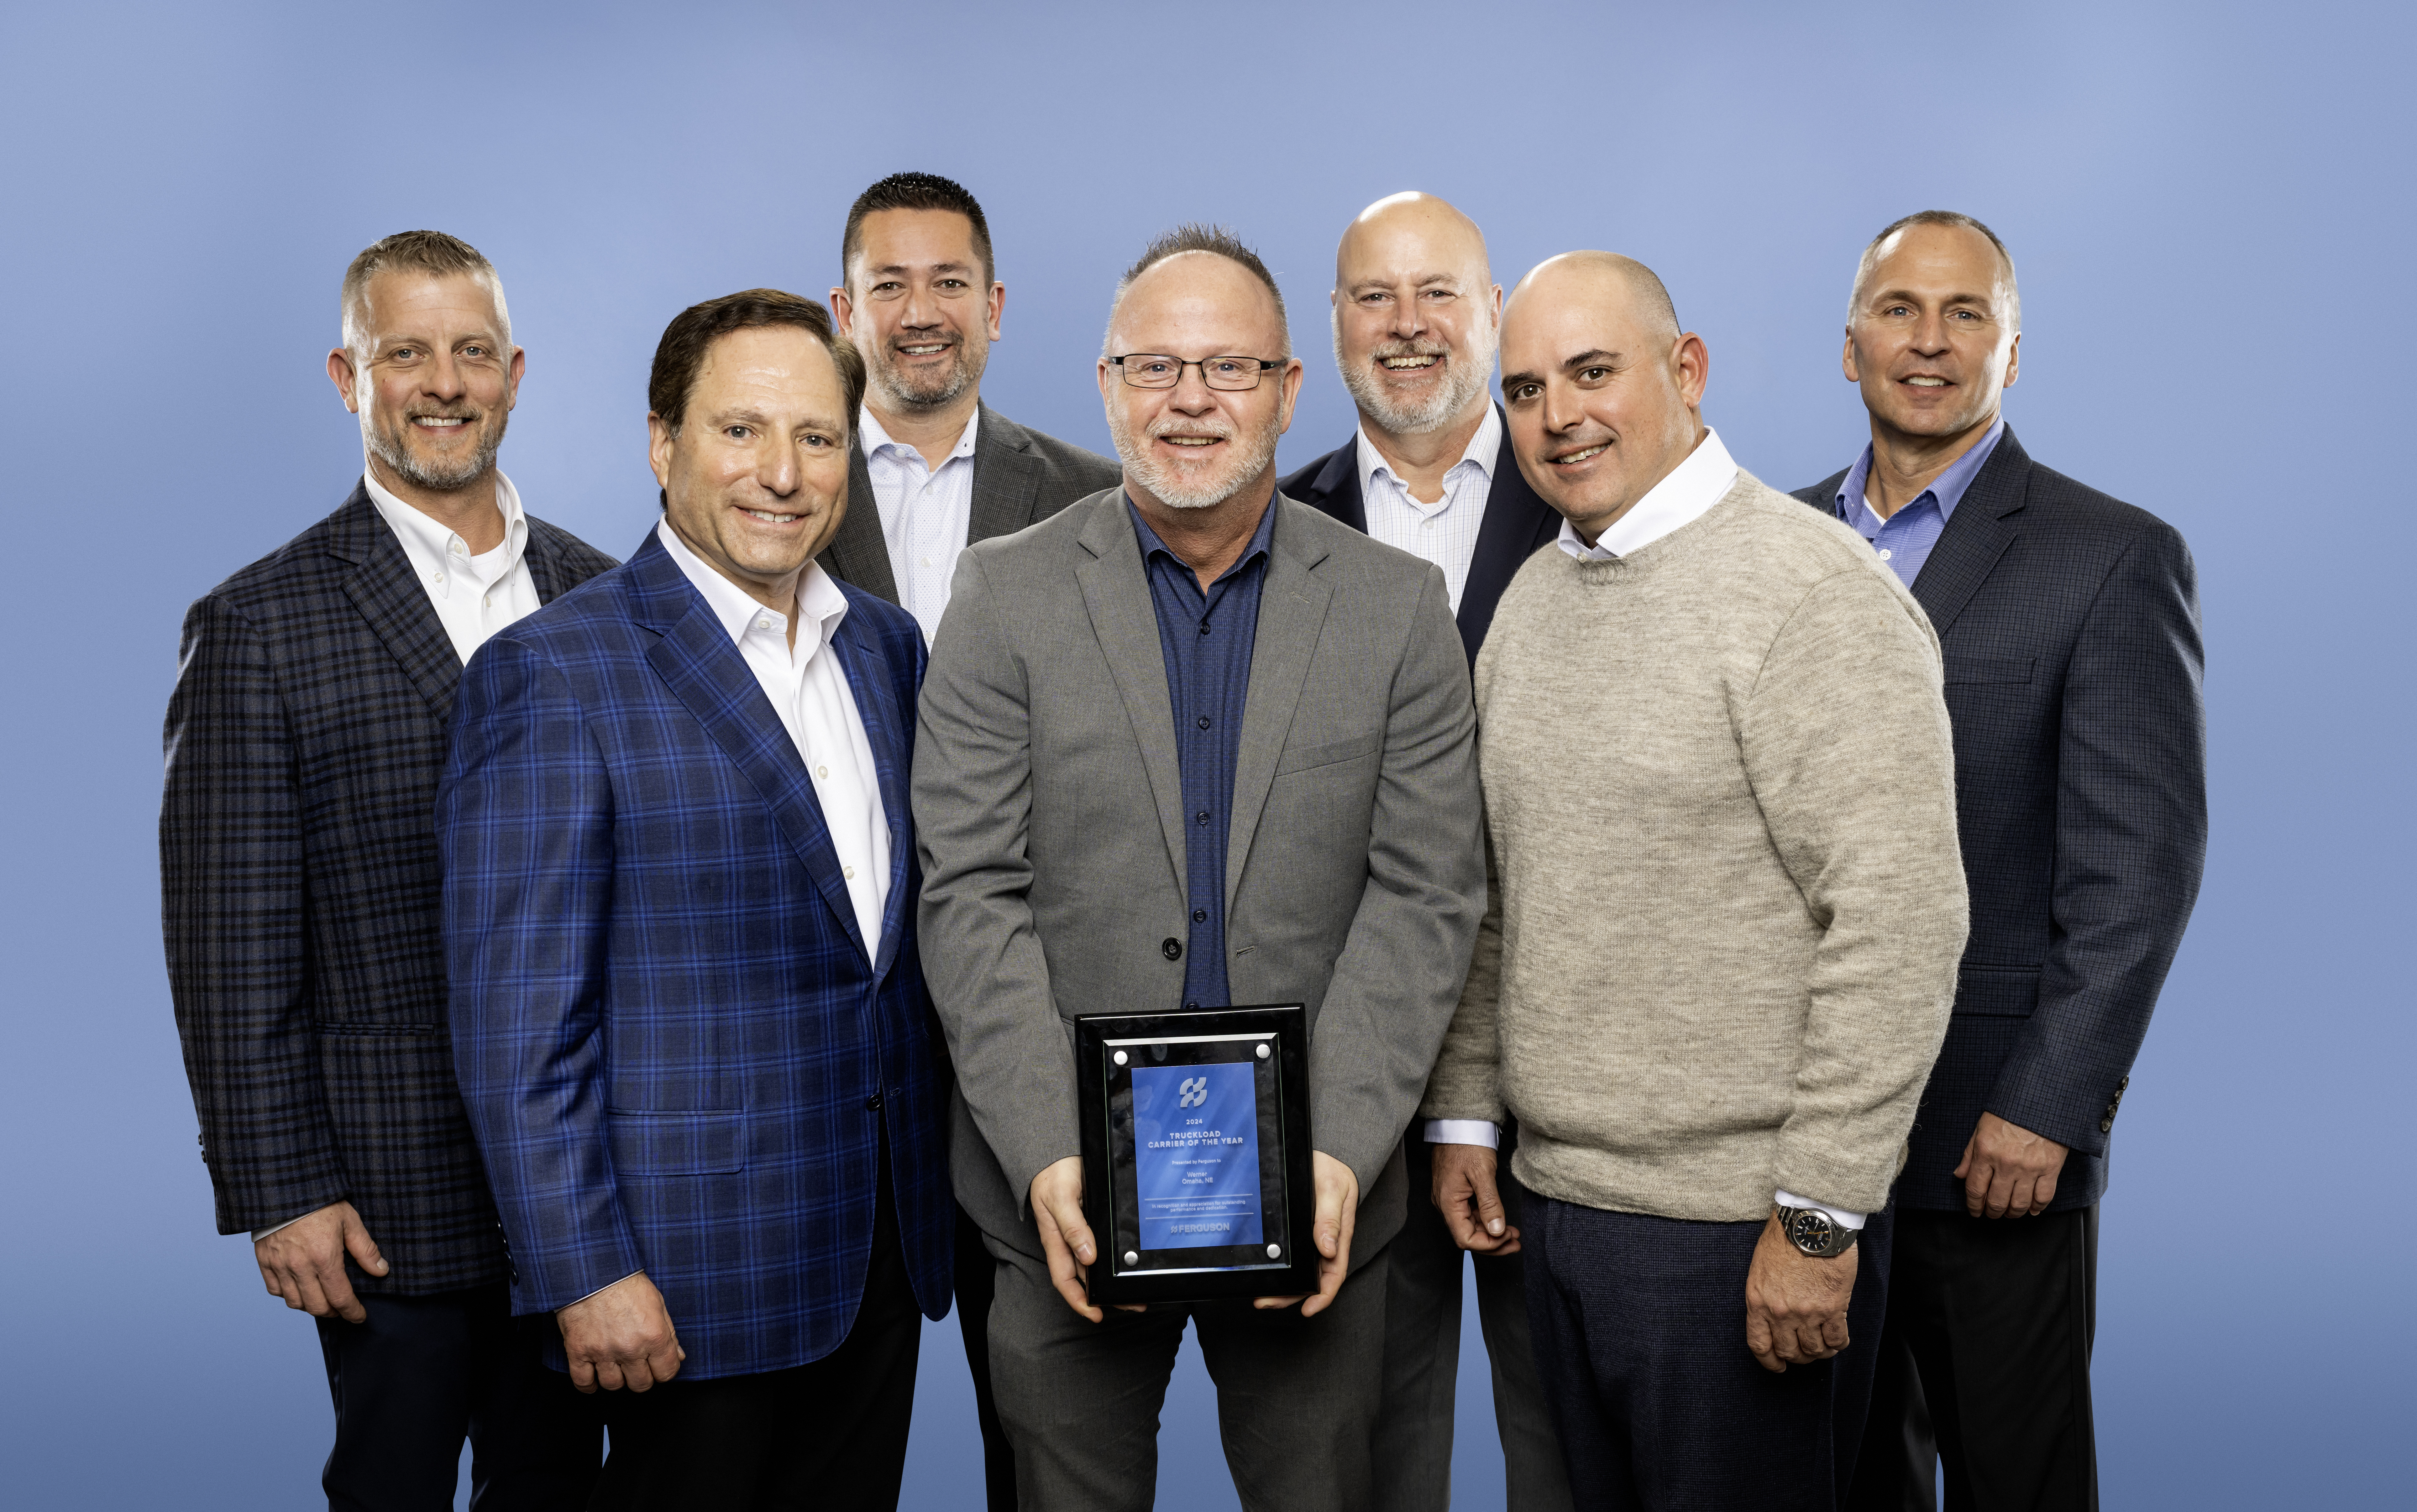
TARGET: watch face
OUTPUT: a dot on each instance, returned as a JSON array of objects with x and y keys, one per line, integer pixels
[{"x": 1811, "y": 1231}]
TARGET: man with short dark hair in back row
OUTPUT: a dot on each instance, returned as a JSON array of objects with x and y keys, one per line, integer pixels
[
  {"x": 934, "y": 470},
  {"x": 299, "y": 869},
  {"x": 2069, "y": 626}
]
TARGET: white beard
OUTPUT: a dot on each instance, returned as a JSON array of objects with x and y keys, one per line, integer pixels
[
  {"x": 1465, "y": 377},
  {"x": 1184, "y": 488}
]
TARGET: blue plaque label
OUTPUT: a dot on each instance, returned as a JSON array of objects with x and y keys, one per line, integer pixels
[{"x": 1196, "y": 1155}]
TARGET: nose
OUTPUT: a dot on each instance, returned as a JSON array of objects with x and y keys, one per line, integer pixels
[
  {"x": 442, "y": 377},
  {"x": 921, "y": 310},
  {"x": 1409, "y": 318},
  {"x": 1192, "y": 394},
  {"x": 1930, "y": 335},
  {"x": 776, "y": 466},
  {"x": 1562, "y": 409}
]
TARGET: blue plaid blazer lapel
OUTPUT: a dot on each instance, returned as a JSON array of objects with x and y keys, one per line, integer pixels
[
  {"x": 872, "y": 681},
  {"x": 704, "y": 672}
]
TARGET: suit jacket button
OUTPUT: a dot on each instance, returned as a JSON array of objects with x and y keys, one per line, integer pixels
[
  {"x": 1171, "y": 947},
  {"x": 873, "y": 1104},
  {"x": 2107, "y": 1126}
]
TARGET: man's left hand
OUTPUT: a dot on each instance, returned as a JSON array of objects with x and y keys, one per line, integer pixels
[
  {"x": 2008, "y": 1171},
  {"x": 1338, "y": 1209},
  {"x": 1795, "y": 1305}
]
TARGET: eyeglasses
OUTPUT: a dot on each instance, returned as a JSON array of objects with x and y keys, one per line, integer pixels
[{"x": 1156, "y": 370}]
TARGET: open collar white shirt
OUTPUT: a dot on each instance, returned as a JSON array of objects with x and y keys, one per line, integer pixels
[
  {"x": 474, "y": 596},
  {"x": 1444, "y": 532},
  {"x": 926, "y": 514},
  {"x": 809, "y": 691},
  {"x": 1685, "y": 496}
]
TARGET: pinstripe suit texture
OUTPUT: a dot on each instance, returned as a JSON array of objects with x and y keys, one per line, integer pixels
[
  {"x": 678, "y": 1051},
  {"x": 2069, "y": 623},
  {"x": 298, "y": 878}
]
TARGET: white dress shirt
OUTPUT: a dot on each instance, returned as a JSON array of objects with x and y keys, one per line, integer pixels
[
  {"x": 1444, "y": 532},
  {"x": 474, "y": 596},
  {"x": 925, "y": 515},
  {"x": 809, "y": 691},
  {"x": 1685, "y": 496}
]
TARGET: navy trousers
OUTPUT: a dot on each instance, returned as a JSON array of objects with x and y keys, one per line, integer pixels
[
  {"x": 1639, "y": 1331},
  {"x": 419, "y": 1375}
]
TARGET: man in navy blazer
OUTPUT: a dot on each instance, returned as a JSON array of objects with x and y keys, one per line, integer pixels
[
  {"x": 2069, "y": 624},
  {"x": 688, "y": 1017},
  {"x": 1430, "y": 470}
]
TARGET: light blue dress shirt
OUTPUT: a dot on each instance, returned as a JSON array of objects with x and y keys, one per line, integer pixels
[{"x": 1904, "y": 540}]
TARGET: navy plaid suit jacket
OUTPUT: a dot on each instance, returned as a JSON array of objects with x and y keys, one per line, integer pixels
[
  {"x": 678, "y": 1053},
  {"x": 2069, "y": 623},
  {"x": 299, "y": 888}
]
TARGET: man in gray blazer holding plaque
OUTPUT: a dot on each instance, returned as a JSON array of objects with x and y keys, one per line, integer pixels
[{"x": 1188, "y": 744}]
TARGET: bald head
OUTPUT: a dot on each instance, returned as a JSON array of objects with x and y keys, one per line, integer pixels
[
  {"x": 1415, "y": 316},
  {"x": 1602, "y": 388}
]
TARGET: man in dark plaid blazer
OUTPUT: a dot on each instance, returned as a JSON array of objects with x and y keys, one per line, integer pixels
[
  {"x": 2069, "y": 624},
  {"x": 688, "y": 1012},
  {"x": 299, "y": 869}
]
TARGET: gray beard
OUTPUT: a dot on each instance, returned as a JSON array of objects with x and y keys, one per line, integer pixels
[
  {"x": 1464, "y": 376},
  {"x": 390, "y": 450},
  {"x": 963, "y": 374},
  {"x": 1165, "y": 485}
]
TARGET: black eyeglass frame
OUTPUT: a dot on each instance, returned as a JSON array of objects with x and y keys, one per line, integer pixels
[{"x": 1264, "y": 363}]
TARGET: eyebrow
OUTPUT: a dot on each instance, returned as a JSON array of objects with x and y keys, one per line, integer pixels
[
  {"x": 1986, "y": 302},
  {"x": 1593, "y": 356},
  {"x": 1422, "y": 280},
  {"x": 909, "y": 267}
]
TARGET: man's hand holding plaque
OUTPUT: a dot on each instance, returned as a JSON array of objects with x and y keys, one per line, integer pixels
[{"x": 1338, "y": 1208}]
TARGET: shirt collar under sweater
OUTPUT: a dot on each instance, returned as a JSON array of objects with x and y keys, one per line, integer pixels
[{"x": 1681, "y": 498}]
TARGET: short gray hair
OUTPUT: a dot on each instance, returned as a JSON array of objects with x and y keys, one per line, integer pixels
[
  {"x": 1935, "y": 218},
  {"x": 1194, "y": 237},
  {"x": 427, "y": 252}
]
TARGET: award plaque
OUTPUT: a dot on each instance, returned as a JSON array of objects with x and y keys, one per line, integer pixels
[{"x": 1196, "y": 1153}]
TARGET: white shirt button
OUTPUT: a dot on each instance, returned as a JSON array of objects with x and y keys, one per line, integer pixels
[
  {"x": 822, "y": 771},
  {"x": 455, "y": 547},
  {"x": 1886, "y": 555},
  {"x": 762, "y": 623},
  {"x": 849, "y": 872},
  {"x": 439, "y": 578},
  {"x": 489, "y": 600}
]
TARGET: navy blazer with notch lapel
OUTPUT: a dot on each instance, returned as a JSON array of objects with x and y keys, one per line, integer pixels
[
  {"x": 1020, "y": 476},
  {"x": 1516, "y": 523},
  {"x": 679, "y": 1051},
  {"x": 299, "y": 881},
  {"x": 2069, "y": 623}
]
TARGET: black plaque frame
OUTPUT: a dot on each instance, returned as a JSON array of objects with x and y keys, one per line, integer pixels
[{"x": 1125, "y": 1273}]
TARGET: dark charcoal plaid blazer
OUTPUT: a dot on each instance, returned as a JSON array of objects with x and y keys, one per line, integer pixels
[
  {"x": 678, "y": 1052},
  {"x": 1516, "y": 523},
  {"x": 2070, "y": 627},
  {"x": 297, "y": 862},
  {"x": 1020, "y": 476}
]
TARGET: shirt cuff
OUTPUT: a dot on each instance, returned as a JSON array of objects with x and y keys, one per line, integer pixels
[
  {"x": 1464, "y": 1131},
  {"x": 1845, "y": 1217},
  {"x": 258, "y": 1234},
  {"x": 600, "y": 1290}
]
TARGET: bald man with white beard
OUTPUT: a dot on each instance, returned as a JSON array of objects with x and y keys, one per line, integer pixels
[{"x": 1430, "y": 470}]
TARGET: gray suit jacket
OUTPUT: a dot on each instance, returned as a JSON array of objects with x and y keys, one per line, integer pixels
[
  {"x": 1048, "y": 811},
  {"x": 1020, "y": 476}
]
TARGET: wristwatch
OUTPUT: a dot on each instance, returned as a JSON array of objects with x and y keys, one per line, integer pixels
[{"x": 1816, "y": 1234}]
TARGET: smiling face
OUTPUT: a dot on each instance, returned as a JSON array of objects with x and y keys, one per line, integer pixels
[
  {"x": 1933, "y": 340},
  {"x": 1601, "y": 389},
  {"x": 1192, "y": 446},
  {"x": 920, "y": 307},
  {"x": 434, "y": 376},
  {"x": 756, "y": 479},
  {"x": 1415, "y": 315}
]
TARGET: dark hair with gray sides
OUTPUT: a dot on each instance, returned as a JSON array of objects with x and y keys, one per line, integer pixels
[
  {"x": 679, "y": 356},
  {"x": 1194, "y": 237},
  {"x": 1934, "y": 218},
  {"x": 426, "y": 252},
  {"x": 913, "y": 191}
]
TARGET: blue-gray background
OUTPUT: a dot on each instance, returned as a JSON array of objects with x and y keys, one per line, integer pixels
[{"x": 2210, "y": 209}]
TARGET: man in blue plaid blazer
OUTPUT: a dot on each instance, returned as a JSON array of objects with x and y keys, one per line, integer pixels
[
  {"x": 298, "y": 873},
  {"x": 687, "y": 1013},
  {"x": 2069, "y": 625}
]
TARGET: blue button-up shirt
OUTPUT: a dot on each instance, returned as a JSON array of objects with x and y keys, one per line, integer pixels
[
  {"x": 1904, "y": 540},
  {"x": 1206, "y": 639}
]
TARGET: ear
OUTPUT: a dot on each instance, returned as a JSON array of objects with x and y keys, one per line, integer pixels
[
  {"x": 842, "y": 311},
  {"x": 1846, "y": 359},
  {"x": 512, "y": 384},
  {"x": 342, "y": 373},
  {"x": 998, "y": 306},
  {"x": 1692, "y": 362},
  {"x": 661, "y": 438},
  {"x": 1290, "y": 385},
  {"x": 2014, "y": 361}
]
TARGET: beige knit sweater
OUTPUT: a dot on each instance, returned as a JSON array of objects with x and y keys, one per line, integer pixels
[{"x": 1720, "y": 799}]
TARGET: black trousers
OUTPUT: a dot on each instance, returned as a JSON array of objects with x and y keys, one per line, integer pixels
[
  {"x": 977, "y": 1283},
  {"x": 1984, "y": 1362},
  {"x": 1638, "y": 1325},
  {"x": 419, "y": 1375},
  {"x": 829, "y": 1434}
]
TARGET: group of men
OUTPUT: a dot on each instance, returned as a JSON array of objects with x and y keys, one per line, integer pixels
[{"x": 1729, "y": 918}]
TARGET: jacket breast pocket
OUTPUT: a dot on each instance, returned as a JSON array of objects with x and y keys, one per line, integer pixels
[
  {"x": 1987, "y": 669},
  {"x": 1331, "y": 753},
  {"x": 677, "y": 1144},
  {"x": 1998, "y": 992}
]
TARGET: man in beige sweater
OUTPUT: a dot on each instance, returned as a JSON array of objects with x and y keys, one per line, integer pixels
[{"x": 1719, "y": 787}]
